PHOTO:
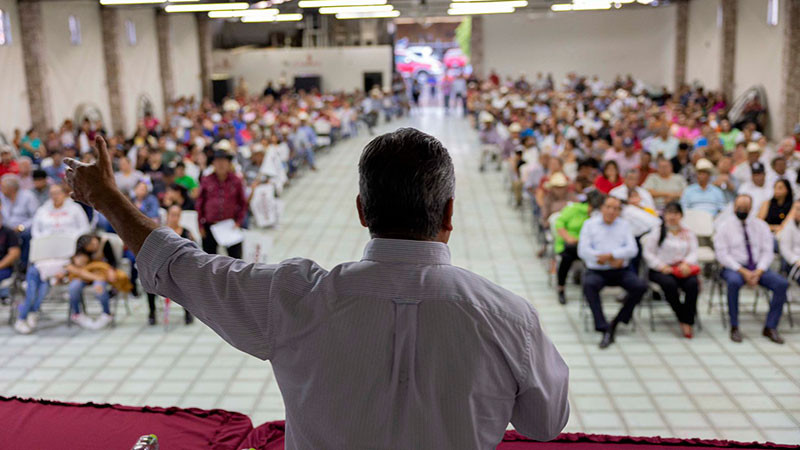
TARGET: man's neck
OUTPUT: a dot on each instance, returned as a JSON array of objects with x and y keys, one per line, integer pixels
[{"x": 221, "y": 177}]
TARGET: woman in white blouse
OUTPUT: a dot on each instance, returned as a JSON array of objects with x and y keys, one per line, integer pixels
[{"x": 671, "y": 254}]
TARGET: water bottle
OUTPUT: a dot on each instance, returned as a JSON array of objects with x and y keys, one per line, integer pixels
[{"x": 147, "y": 442}]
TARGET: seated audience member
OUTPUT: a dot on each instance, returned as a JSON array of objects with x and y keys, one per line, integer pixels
[
  {"x": 609, "y": 179},
  {"x": 174, "y": 222},
  {"x": 185, "y": 180},
  {"x": 789, "y": 239},
  {"x": 745, "y": 247},
  {"x": 9, "y": 254},
  {"x": 628, "y": 158},
  {"x": 18, "y": 209},
  {"x": 84, "y": 270},
  {"x": 671, "y": 254},
  {"x": 127, "y": 177},
  {"x": 728, "y": 135},
  {"x": 663, "y": 144},
  {"x": 664, "y": 185},
  {"x": 57, "y": 170},
  {"x": 7, "y": 162},
  {"x": 177, "y": 195},
  {"x": 631, "y": 184},
  {"x": 680, "y": 160},
  {"x": 59, "y": 215},
  {"x": 556, "y": 196},
  {"x": 41, "y": 186},
  {"x": 606, "y": 245},
  {"x": 587, "y": 172},
  {"x": 757, "y": 188},
  {"x": 25, "y": 173},
  {"x": 779, "y": 170},
  {"x": 145, "y": 201},
  {"x": 568, "y": 228},
  {"x": 724, "y": 180},
  {"x": 703, "y": 195},
  {"x": 742, "y": 172},
  {"x": 777, "y": 211}
]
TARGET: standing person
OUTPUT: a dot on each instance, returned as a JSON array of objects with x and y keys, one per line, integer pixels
[
  {"x": 606, "y": 245},
  {"x": 421, "y": 347},
  {"x": 221, "y": 197},
  {"x": 671, "y": 254},
  {"x": 174, "y": 223},
  {"x": 745, "y": 249}
]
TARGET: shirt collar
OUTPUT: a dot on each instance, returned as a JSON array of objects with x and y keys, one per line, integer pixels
[{"x": 407, "y": 251}]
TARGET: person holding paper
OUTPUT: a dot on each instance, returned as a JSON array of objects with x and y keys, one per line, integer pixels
[
  {"x": 221, "y": 198},
  {"x": 401, "y": 349}
]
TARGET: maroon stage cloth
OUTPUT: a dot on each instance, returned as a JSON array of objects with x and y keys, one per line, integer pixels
[
  {"x": 42, "y": 424},
  {"x": 269, "y": 436}
]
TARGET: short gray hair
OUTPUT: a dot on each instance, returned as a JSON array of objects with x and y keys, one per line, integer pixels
[
  {"x": 406, "y": 179},
  {"x": 10, "y": 180}
]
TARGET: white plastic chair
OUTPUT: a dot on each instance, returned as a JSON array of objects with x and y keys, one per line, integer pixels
[
  {"x": 702, "y": 224},
  {"x": 54, "y": 246}
]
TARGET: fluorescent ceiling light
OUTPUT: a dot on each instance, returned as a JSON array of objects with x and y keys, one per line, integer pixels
[
  {"x": 587, "y": 5},
  {"x": 129, "y": 2},
  {"x": 561, "y": 7},
  {"x": 467, "y": 12},
  {"x": 274, "y": 18},
  {"x": 356, "y": 9},
  {"x": 489, "y": 4},
  {"x": 202, "y": 7},
  {"x": 329, "y": 3},
  {"x": 242, "y": 13},
  {"x": 375, "y": 15}
]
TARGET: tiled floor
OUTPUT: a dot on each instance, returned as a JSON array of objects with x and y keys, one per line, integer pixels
[{"x": 650, "y": 383}]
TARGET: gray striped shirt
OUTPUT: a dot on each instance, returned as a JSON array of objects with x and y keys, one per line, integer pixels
[{"x": 398, "y": 350}]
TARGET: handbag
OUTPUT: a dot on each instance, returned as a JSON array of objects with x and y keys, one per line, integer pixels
[{"x": 693, "y": 270}]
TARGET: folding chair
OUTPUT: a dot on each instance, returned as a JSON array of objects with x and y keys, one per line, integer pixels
[
  {"x": 323, "y": 130},
  {"x": 54, "y": 246}
]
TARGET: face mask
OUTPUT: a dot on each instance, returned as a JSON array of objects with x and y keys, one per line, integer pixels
[
  {"x": 673, "y": 227},
  {"x": 742, "y": 215}
]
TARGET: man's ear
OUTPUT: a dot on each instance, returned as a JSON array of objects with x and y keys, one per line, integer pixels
[
  {"x": 447, "y": 220},
  {"x": 360, "y": 211}
]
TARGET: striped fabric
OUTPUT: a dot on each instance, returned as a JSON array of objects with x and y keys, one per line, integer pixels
[{"x": 399, "y": 350}]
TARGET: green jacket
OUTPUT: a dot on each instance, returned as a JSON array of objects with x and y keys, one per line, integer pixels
[{"x": 570, "y": 218}]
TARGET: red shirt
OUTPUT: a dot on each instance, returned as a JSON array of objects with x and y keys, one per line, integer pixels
[
  {"x": 9, "y": 168},
  {"x": 604, "y": 185},
  {"x": 221, "y": 200}
]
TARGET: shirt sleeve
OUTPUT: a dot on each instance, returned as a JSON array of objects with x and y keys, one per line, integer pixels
[
  {"x": 723, "y": 250},
  {"x": 650, "y": 250},
  {"x": 766, "y": 246},
  {"x": 786, "y": 244},
  {"x": 628, "y": 249},
  {"x": 691, "y": 255},
  {"x": 236, "y": 299},
  {"x": 541, "y": 409},
  {"x": 585, "y": 250}
]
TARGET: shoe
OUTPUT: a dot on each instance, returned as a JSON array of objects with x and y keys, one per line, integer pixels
[
  {"x": 687, "y": 331},
  {"x": 772, "y": 335},
  {"x": 151, "y": 320},
  {"x": 562, "y": 298},
  {"x": 736, "y": 336},
  {"x": 188, "y": 319},
  {"x": 608, "y": 339},
  {"x": 21, "y": 327},
  {"x": 5, "y": 300},
  {"x": 102, "y": 321},
  {"x": 82, "y": 320},
  {"x": 32, "y": 320}
]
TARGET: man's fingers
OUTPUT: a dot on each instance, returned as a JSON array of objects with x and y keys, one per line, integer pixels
[
  {"x": 103, "y": 159},
  {"x": 72, "y": 163}
]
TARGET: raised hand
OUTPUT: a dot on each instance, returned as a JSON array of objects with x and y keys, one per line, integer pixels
[{"x": 91, "y": 183}]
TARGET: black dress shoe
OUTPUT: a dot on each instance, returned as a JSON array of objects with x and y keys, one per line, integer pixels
[
  {"x": 608, "y": 339},
  {"x": 736, "y": 336},
  {"x": 772, "y": 335},
  {"x": 188, "y": 318},
  {"x": 562, "y": 298},
  {"x": 151, "y": 320}
]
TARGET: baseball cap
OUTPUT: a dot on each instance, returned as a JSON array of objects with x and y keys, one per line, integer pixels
[{"x": 757, "y": 167}]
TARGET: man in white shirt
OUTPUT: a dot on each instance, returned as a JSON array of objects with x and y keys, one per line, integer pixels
[
  {"x": 630, "y": 183},
  {"x": 741, "y": 173},
  {"x": 757, "y": 188},
  {"x": 417, "y": 352},
  {"x": 745, "y": 248}
]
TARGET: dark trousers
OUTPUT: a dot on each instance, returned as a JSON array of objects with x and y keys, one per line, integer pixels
[
  {"x": 568, "y": 256},
  {"x": 770, "y": 280},
  {"x": 210, "y": 245},
  {"x": 595, "y": 280},
  {"x": 672, "y": 285}
]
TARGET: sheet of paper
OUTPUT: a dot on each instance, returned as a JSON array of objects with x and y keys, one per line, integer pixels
[{"x": 226, "y": 233}]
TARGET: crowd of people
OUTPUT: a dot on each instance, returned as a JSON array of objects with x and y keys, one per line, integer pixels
[
  {"x": 611, "y": 171},
  {"x": 222, "y": 162}
]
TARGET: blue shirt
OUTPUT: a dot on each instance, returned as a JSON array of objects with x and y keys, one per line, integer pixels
[
  {"x": 21, "y": 210},
  {"x": 149, "y": 206},
  {"x": 600, "y": 238},
  {"x": 711, "y": 199}
]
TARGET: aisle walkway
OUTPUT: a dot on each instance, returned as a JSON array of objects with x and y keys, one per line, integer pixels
[{"x": 650, "y": 383}]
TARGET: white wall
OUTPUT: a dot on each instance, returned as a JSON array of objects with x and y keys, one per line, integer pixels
[
  {"x": 639, "y": 41},
  {"x": 75, "y": 74},
  {"x": 341, "y": 68},
  {"x": 704, "y": 44},
  {"x": 140, "y": 76},
  {"x": 14, "y": 112},
  {"x": 759, "y": 53},
  {"x": 185, "y": 49}
]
